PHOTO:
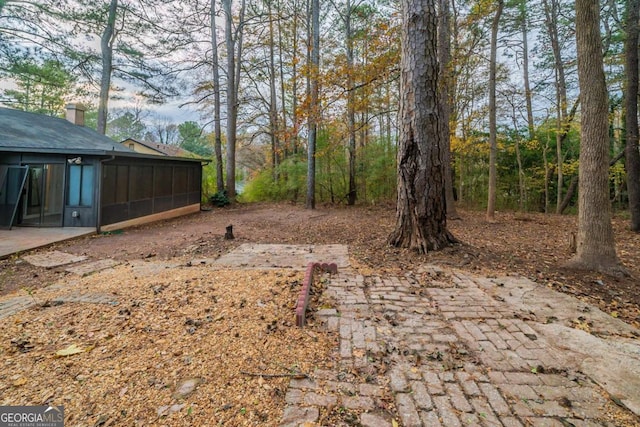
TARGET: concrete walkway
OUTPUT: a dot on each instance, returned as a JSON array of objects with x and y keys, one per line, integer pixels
[{"x": 448, "y": 350}]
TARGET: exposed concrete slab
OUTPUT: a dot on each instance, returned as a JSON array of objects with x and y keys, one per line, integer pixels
[
  {"x": 15, "y": 305},
  {"x": 92, "y": 267},
  {"x": 20, "y": 239},
  {"x": 612, "y": 363},
  {"x": 87, "y": 299},
  {"x": 53, "y": 259},
  {"x": 283, "y": 256}
]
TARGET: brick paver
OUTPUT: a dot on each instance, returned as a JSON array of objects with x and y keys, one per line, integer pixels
[{"x": 445, "y": 353}]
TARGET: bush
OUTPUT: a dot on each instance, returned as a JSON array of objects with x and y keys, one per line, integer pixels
[{"x": 220, "y": 199}]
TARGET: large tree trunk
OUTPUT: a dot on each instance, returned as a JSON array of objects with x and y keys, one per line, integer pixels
[
  {"x": 493, "y": 145},
  {"x": 632, "y": 156},
  {"x": 421, "y": 217},
  {"x": 106, "y": 49},
  {"x": 595, "y": 242},
  {"x": 216, "y": 102},
  {"x": 314, "y": 108},
  {"x": 444, "y": 52}
]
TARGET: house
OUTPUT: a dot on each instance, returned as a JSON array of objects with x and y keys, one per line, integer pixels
[
  {"x": 156, "y": 148},
  {"x": 58, "y": 173}
]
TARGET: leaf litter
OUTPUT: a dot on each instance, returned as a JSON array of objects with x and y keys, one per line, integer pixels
[{"x": 175, "y": 357}]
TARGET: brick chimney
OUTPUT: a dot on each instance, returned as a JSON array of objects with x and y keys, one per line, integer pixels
[{"x": 75, "y": 114}]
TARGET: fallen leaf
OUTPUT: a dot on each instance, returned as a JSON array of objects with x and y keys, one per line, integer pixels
[
  {"x": 20, "y": 381},
  {"x": 71, "y": 350}
]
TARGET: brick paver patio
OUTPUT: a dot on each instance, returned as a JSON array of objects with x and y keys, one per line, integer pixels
[{"x": 447, "y": 353}]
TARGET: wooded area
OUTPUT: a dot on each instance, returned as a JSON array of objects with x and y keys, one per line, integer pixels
[{"x": 300, "y": 100}]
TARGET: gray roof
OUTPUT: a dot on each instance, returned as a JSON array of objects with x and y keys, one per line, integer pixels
[{"x": 29, "y": 132}]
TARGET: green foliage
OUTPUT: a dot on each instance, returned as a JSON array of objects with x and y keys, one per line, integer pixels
[
  {"x": 379, "y": 172},
  {"x": 288, "y": 183},
  {"x": 126, "y": 124},
  {"x": 41, "y": 86},
  {"x": 192, "y": 139},
  {"x": 220, "y": 199},
  {"x": 376, "y": 175},
  {"x": 208, "y": 182}
]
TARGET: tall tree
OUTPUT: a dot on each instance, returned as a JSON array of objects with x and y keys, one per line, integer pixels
[
  {"x": 191, "y": 139},
  {"x": 421, "y": 217},
  {"x": 631, "y": 102},
  {"x": 217, "y": 128},
  {"x": 127, "y": 123},
  {"x": 135, "y": 45},
  {"x": 552, "y": 12},
  {"x": 41, "y": 88},
  {"x": 444, "y": 53},
  {"x": 314, "y": 103},
  {"x": 351, "y": 114},
  {"x": 32, "y": 27},
  {"x": 595, "y": 242},
  {"x": 233, "y": 41},
  {"x": 524, "y": 27},
  {"x": 493, "y": 130},
  {"x": 106, "y": 47},
  {"x": 274, "y": 130}
]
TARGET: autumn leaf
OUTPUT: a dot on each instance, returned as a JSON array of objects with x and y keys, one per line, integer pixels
[
  {"x": 71, "y": 350},
  {"x": 20, "y": 381}
]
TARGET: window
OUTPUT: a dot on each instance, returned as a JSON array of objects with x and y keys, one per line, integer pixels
[{"x": 80, "y": 188}]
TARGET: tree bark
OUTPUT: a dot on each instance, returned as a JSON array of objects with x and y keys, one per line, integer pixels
[
  {"x": 525, "y": 68},
  {"x": 632, "y": 156},
  {"x": 231, "y": 101},
  {"x": 294, "y": 86},
  {"x": 217, "y": 145},
  {"x": 351, "y": 115},
  {"x": 595, "y": 241},
  {"x": 421, "y": 217},
  {"x": 232, "y": 42},
  {"x": 493, "y": 145},
  {"x": 106, "y": 49},
  {"x": 314, "y": 108},
  {"x": 521, "y": 177},
  {"x": 283, "y": 98},
  {"x": 551, "y": 12},
  {"x": 273, "y": 102},
  {"x": 444, "y": 53}
]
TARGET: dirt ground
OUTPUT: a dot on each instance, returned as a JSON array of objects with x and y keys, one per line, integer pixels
[{"x": 533, "y": 245}]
